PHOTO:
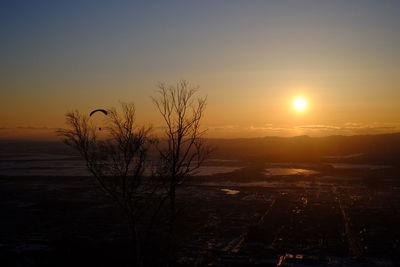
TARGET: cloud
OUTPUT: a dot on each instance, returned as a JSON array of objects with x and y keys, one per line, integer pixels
[
  {"x": 28, "y": 133},
  {"x": 35, "y": 128},
  {"x": 29, "y": 128},
  {"x": 224, "y": 128},
  {"x": 351, "y": 128},
  {"x": 348, "y": 128},
  {"x": 318, "y": 127},
  {"x": 373, "y": 126},
  {"x": 268, "y": 127},
  {"x": 238, "y": 131}
]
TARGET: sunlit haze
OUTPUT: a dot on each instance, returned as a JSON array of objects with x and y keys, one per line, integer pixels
[{"x": 250, "y": 58}]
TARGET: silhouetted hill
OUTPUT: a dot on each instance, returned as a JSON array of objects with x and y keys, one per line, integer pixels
[
  {"x": 365, "y": 148},
  {"x": 379, "y": 149}
]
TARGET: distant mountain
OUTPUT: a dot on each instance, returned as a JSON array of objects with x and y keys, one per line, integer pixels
[
  {"x": 382, "y": 149},
  {"x": 378, "y": 149}
]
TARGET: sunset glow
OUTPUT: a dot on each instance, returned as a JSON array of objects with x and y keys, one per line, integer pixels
[
  {"x": 300, "y": 104},
  {"x": 254, "y": 64},
  {"x": 200, "y": 133}
]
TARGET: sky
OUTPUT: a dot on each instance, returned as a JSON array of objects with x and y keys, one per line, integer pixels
[{"x": 250, "y": 58}]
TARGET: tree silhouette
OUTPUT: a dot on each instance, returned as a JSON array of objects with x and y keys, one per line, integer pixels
[
  {"x": 182, "y": 149},
  {"x": 117, "y": 161}
]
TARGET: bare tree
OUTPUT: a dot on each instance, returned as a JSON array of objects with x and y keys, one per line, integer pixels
[
  {"x": 117, "y": 161},
  {"x": 183, "y": 149}
]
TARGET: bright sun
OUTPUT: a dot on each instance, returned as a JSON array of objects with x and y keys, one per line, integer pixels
[{"x": 300, "y": 104}]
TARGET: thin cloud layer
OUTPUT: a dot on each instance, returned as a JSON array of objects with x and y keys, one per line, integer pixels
[
  {"x": 232, "y": 131},
  {"x": 312, "y": 130}
]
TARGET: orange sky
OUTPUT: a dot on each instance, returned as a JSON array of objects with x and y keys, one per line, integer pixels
[{"x": 250, "y": 59}]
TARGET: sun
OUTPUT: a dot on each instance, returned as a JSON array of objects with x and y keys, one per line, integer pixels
[{"x": 300, "y": 104}]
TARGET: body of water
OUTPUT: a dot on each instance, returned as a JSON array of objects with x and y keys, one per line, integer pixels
[
  {"x": 358, "y": 166},
  {"x": 33, "y": 163},
  {"x": 288, "y": 171}
]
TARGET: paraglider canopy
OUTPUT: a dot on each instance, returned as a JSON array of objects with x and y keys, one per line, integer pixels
[{"x": 98, "y": 110}]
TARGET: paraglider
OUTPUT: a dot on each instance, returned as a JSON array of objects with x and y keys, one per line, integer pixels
[{"x": 98, "y": 110}]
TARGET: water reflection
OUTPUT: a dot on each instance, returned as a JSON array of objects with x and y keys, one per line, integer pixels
[
  {"x": 211, "y": 170},
  {"x": 230, "y": 191},
  {"x": 358, "y": 166},
  {"x": 288, "y": 171}
]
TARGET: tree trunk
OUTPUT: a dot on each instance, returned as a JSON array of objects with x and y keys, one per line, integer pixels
[
  {"x": 136, "y": 253},
  {"x": 172, "y": 209}
]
